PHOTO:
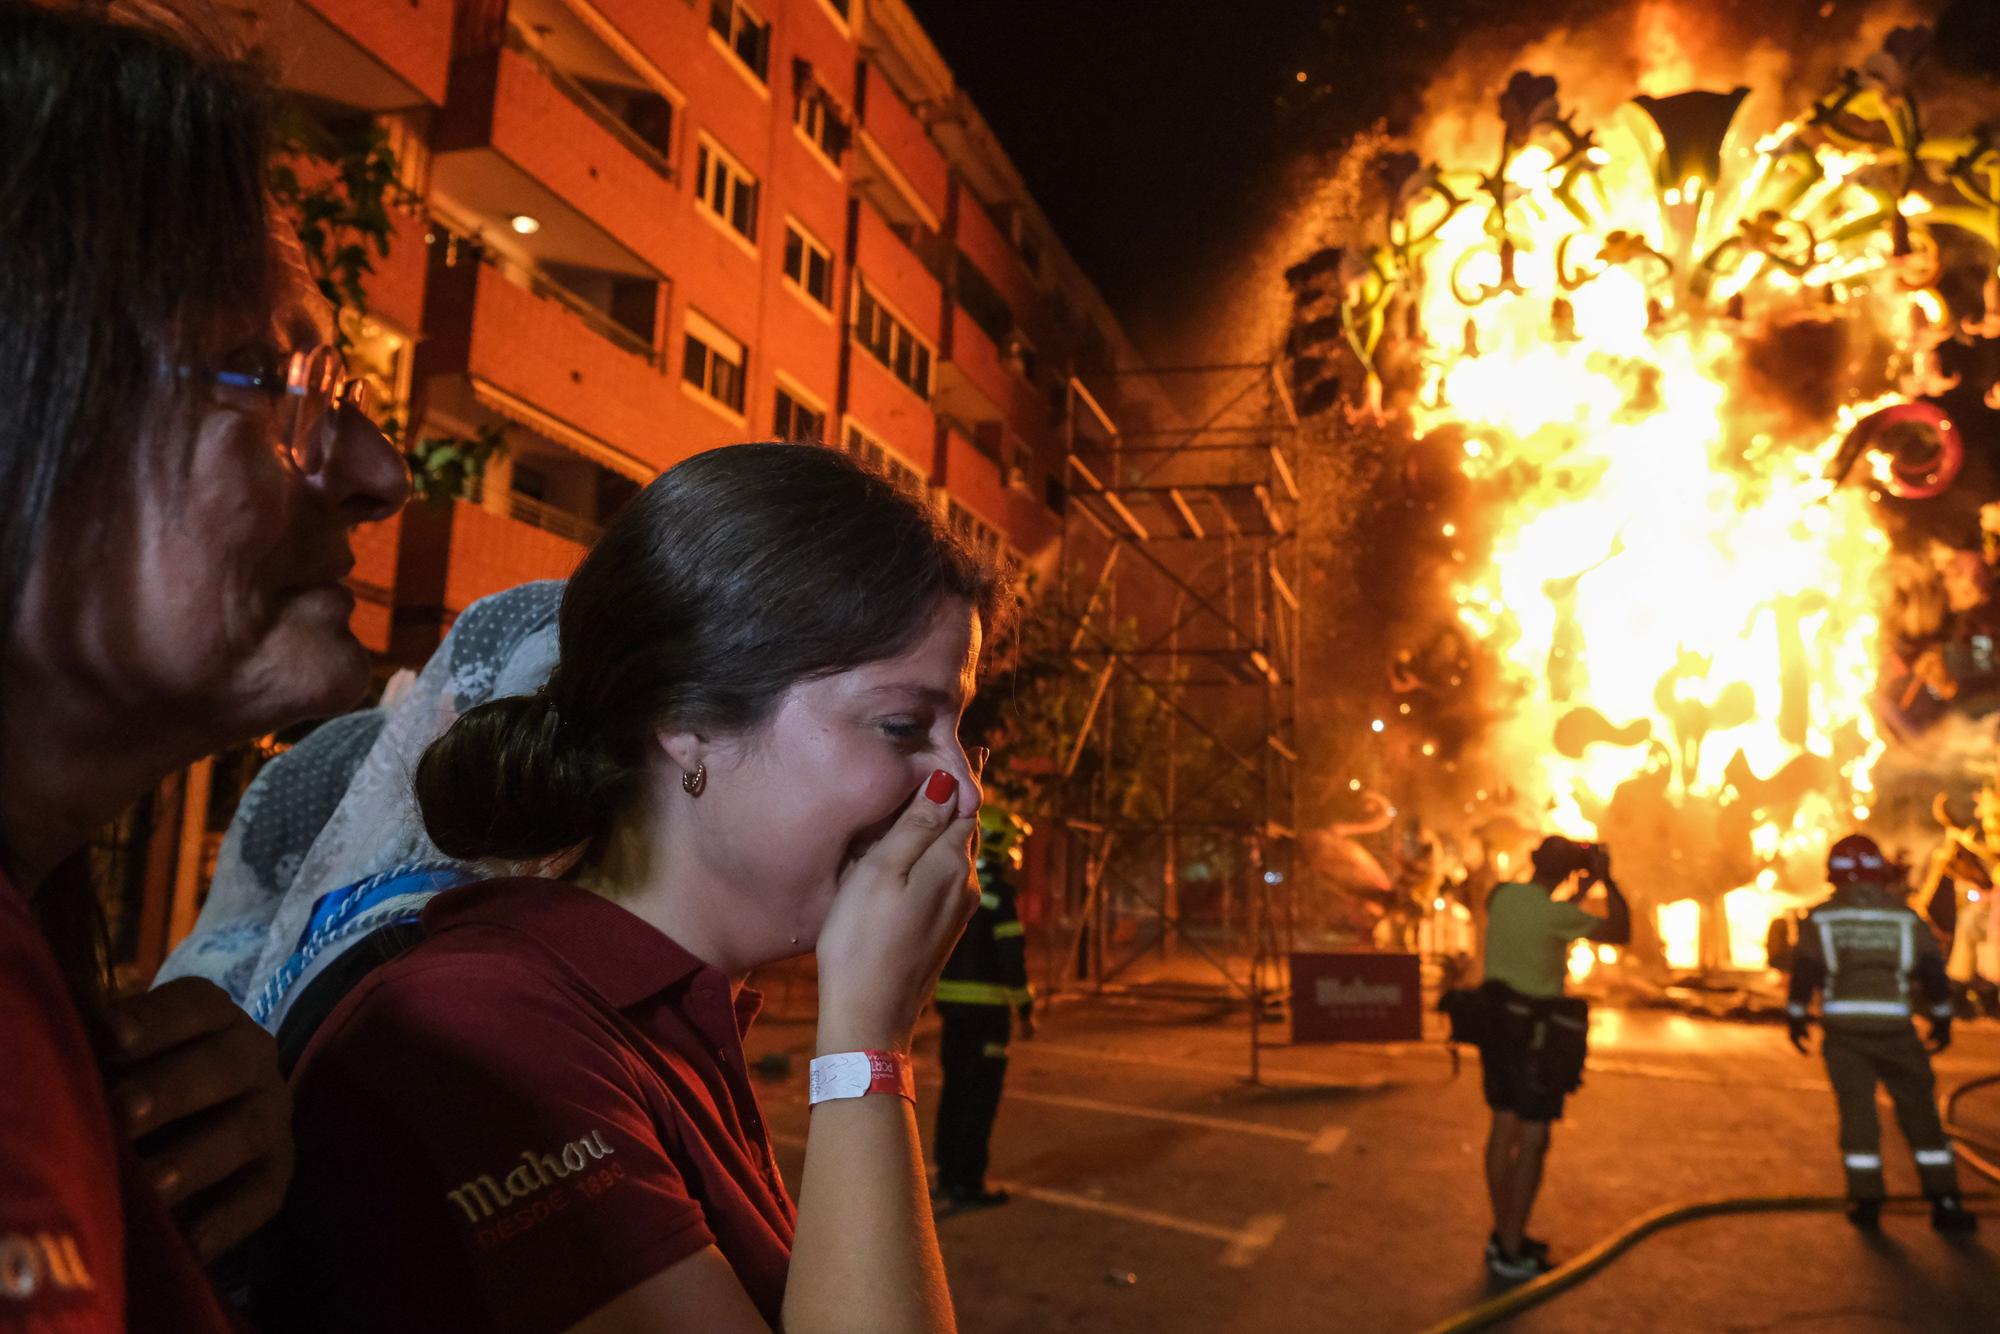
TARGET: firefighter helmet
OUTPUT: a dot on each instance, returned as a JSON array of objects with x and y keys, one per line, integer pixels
[
  {"x": 1857, "y": 860},
  {"x": 1000, "y": 835}
]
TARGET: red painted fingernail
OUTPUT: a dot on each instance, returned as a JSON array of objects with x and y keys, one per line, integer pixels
[{"x": 940, "y": 789}]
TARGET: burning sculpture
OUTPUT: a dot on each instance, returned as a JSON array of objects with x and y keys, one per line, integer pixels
[{"x": 1686, "y": 371}]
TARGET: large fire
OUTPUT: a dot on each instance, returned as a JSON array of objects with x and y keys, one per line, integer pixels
[{"x": 1683, "y": 597}]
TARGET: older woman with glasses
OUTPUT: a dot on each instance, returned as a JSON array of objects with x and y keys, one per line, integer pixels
[{"x": 183, "y": 459}]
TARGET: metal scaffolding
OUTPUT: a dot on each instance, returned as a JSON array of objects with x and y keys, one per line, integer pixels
[{"x": 1174, "y": 798}]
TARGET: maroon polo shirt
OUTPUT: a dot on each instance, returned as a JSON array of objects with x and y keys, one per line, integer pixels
[
  {"x": 534, "y": 1110},
  {"x": 86, "y": 1247}
]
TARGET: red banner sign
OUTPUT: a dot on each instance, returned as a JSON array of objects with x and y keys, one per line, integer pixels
[{"x": 1356, "y": 998}]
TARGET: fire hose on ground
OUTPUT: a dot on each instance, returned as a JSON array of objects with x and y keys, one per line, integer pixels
[{"x": 1981, "y": 1156}]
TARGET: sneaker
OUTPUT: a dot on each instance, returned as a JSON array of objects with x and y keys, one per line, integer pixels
[
  {"x": 1515, "y": 1268},
  {"x": 1949, "y": 1215},
  {"x": 977, "y": 1197},
  {"x": 1865, "y": 1214},
  {"x": 1534, "y": 1246}
]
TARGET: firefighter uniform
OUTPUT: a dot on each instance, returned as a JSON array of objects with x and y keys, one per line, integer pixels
[
  {"x": 1875, "y": 963},
  {"x": 984, "y": 983}
]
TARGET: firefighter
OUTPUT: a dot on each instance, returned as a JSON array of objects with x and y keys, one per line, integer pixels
[
  {"x": 1864, "y": 951},
  {"x": 984, "y": 982}
]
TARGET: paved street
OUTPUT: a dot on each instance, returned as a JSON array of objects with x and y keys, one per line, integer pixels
[{"x": 1155, "y": 1191}]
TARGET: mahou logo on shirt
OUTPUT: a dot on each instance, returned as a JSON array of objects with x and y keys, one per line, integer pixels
[
  {"x": 487, "y": 1194},
  {"x": 40, "y": 1264}
]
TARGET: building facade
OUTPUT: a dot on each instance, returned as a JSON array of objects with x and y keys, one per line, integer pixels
[
  {"x": 631, "y": 230},
  {"x": 625, "y": 231}
]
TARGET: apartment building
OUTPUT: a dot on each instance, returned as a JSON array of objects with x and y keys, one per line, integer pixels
[
  {"x": 635, "y": 229},
  {"x": 630, "y": 230}
]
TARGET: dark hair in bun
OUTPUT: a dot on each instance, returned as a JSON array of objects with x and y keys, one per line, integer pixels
[{"x": 733, "y": 576}]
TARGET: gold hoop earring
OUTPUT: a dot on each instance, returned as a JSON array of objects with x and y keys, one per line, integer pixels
[{"x": 693, "y": 783}]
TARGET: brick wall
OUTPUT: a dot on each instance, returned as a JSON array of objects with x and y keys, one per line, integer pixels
[
  {"x": 491, "y": 552},
  {"x": 396, "y": 287},
  {"x": 892, "y": 124},
  {"x": 1020, "y": 405},
  {"x": 888, "y": 410},
  {"x": 893, "y": 269},
  {"x": 411, "y": 37},
  {"x": 536, "y": 348}
]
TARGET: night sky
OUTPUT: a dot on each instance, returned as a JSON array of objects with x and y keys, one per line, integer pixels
[{"x": 1156, "y": 136}]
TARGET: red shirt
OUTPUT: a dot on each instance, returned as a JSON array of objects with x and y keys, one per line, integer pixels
[
  {"x": 85, "y": 1245},
  {"x": 531, "y": 1112}
]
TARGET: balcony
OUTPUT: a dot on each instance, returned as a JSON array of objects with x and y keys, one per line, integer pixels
[
  {"x": 520, "y": 138},
  {"x": 359, "y": 53},
  {"x": 971, "y": 475},
  {"x": 975, "y": 384},
  {"x": 544, "y": 352},
  {"x": 901, "y": 147},
  {"x": 982, "y": 242},
  {"x": 454, "y": 553},
  {"x": 898, "y": 274},
  {"x": 490, "y": 552},
  {"x": 977, "y": 480}
]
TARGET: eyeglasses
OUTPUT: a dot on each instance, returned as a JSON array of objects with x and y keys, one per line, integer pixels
[{"x": 312, "y": 384}]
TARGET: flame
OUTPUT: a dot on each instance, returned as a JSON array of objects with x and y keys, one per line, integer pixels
[{"x": 1655, "y": 558}]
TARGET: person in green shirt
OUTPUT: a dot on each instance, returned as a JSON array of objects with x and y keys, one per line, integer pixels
[{"x": 1528, "y": 935}]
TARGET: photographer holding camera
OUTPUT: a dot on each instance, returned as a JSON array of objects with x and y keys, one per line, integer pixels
[{"x": 1533, "y": 1038}]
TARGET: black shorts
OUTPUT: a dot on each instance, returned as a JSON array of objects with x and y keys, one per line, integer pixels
[
  {"x": 1511, "y": 1078},
  {"x": 1515, "y": 1077}
]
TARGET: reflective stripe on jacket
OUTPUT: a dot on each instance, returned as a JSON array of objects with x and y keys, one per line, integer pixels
[
  {"x": 1869, "y": 957},
  {"x": 989, "y": 965}
]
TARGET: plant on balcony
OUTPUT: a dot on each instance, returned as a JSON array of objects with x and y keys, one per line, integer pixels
[
  {"x": 334, "y": 179},
  {"x": 449, "y": 467}
]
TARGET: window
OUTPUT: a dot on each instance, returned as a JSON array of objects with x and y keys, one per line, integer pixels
[
  {"x": 713, "y": 363},
  {"x": 747, "y": 36},
  {"x": 878, "y": 456},
  {"x": 726, "y": 189},
  {"x": 797, "y": 419},
  {"x": 808, "y": 264},
  {"x": 891, "y": 342},
  {"x": 974, "y": 531},
  {"x": 817, "y": 117}
]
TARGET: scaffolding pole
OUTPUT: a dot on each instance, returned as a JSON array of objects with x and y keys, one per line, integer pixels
[{"x": 1176, "y": 795}]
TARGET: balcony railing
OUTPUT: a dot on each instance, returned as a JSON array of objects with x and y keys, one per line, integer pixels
[
  {"x": 523, "y": 45},
  {"x": 544, "y": 286},
  {"x": 549, "y": 519}
]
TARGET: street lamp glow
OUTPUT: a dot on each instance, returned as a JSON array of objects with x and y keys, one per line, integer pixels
[
  {"x": 524, "y": 224},
  {"x": 1375, "y": 726}
]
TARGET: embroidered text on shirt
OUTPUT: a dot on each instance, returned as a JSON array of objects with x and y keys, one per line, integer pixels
[
  {"x": 41, "y": 1262},
  {"x": 482, "y": 1195}
]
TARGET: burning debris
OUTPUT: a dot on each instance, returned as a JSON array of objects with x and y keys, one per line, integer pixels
[{"x": 1680, "y": 390}]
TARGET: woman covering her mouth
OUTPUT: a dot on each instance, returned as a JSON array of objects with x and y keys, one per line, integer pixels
[{"x": 539, "y": 1118}]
